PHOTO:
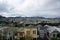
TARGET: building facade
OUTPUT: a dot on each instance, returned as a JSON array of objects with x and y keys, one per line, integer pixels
[{"x": 28, "y": 33}]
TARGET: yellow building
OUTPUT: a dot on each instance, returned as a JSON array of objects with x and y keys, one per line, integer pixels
[{"x": 29, "y": 33}]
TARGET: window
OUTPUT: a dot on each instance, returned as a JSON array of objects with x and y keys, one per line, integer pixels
[
  {"x": 58, "y": 35},
  {"x": 28, "y": 32},
  {"x": 21, "y": 33},
  {"x": 34, "y": 38},
  {"x": 53, "y": 35},
  {"x": 34, "y": 32},
  {"x": 21, "y": 38}
]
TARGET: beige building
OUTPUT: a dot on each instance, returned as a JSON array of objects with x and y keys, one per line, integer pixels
[
  {"x": 28, "y": 33},
  {"x": 31, "y": 33}
]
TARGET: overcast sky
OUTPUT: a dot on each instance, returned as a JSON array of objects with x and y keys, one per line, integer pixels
[{"x": 28, "y": 8}]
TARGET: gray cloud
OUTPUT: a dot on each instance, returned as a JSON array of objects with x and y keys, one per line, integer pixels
[
  {"x": 5, "y": 7},
  {"x": 50, "y": 9}
]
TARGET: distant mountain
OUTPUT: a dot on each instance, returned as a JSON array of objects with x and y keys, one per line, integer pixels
[
  {"x": 58, "y": 17},
  {"x": 30, "y": 17},
  {"x": 2, "y": 17},
  {"x": 39, "y": 17},
  {"x": 27, "y": 17}
]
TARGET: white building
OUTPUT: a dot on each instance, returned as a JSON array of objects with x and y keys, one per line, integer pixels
[{"x": 54, "y": 32}]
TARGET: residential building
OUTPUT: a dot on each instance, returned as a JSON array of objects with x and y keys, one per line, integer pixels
[
  {"x": 43, "y": 32},
  {"x": 54, "y": 32},
  {"x": 28, "y": 33},
  {"x": 6, "y": 33}
]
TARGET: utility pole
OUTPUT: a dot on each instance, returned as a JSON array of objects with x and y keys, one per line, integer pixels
[
  {"x": 12, "y": 36},
  {"x": 2, "y": 34}
]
